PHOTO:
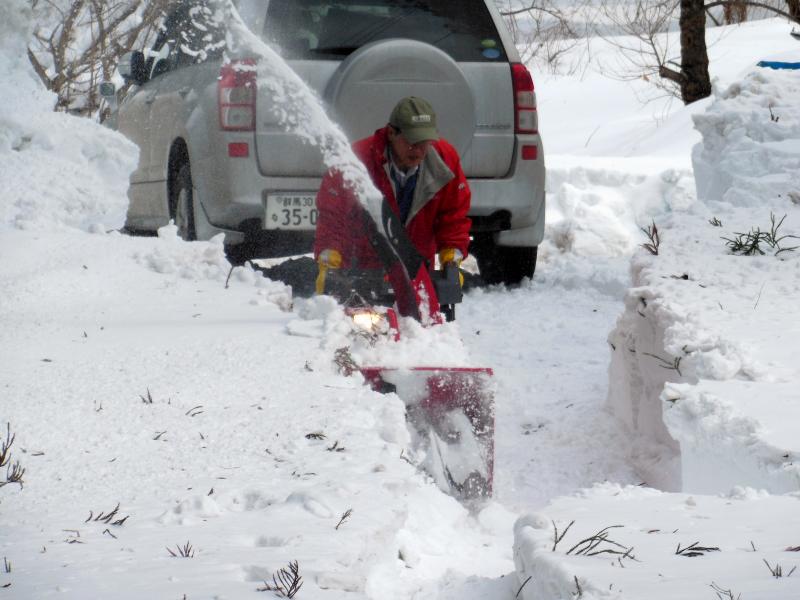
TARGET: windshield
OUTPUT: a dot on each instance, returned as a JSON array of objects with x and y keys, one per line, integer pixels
[{"x": 322, "y": 29}]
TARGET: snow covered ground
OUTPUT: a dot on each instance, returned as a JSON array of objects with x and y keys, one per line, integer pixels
[
  {"x": 135, "y": 374},
  {"x": 702, "y": 377},
  {"x": 725, "y": 426}
]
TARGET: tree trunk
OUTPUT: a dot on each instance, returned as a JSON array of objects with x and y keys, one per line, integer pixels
[
  {"x": 794, "y": 9},
  {"x": 696, "y": 83}
]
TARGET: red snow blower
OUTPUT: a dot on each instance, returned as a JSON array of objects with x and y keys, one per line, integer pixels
[{"x": 451, "y": 409}]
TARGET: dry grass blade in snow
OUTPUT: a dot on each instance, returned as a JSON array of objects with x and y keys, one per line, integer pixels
[
  {"x": 5, "y": 447},
  {"x": 14, "y": 472},
  {"x": 749, "y": 244},
  {"x": 777, "y": 570},
  {"x": 589, "y": 546},
  {"x": 695, "y": 550},
  {"x": 723, "y": 594},
  {"x": 108, "y": 519},
  {"x": 147, "y": 399},
  {"x": 185, "y": 551},
  {"x": 344, "y": 518},
  {"x": 556, "y": 537},
  {"x": 14, "y": 475},
  {"x": 286, "y": 582},
  {"x": 651, "y": 232}
]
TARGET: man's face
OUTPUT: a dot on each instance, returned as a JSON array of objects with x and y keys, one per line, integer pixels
[{"x": 406, "y": 156}]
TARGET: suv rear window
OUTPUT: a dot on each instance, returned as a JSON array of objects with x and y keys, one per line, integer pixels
[{"x": 320, "y": 29}]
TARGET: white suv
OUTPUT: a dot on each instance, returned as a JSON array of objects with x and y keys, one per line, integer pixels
[{"x": 215, "y": 158}]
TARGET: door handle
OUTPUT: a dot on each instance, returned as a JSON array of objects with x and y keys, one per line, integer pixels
[
  {"x": 183, "y": 91},
  {"x": 150, "y": 98}
]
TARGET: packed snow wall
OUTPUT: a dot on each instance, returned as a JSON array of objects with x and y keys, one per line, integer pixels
[{"x": 703, "y": 371}]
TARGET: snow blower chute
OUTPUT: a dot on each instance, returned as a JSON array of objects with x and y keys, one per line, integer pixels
[{"x": 451, "y": 408}]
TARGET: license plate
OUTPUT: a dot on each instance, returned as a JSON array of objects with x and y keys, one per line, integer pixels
[{"x": 291, "y": 211}]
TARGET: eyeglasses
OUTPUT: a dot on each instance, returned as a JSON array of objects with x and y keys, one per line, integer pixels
[{"x": 423, "y": 145}]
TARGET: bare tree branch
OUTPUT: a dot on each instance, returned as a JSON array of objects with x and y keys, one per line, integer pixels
[
  {"x": 751, "y": 3},
  {"x": 671, "y": 74},
  {"x": 546, "y": 31},
  {"x": 39, "y": 69}
]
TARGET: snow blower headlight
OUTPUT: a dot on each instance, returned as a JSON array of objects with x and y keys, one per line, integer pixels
[{"x": 369, "y": 320}]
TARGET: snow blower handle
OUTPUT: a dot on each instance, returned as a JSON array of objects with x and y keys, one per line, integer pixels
[{"x": 447, "y": 283}]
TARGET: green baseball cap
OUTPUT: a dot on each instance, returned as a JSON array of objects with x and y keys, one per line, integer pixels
[{"x": 415, "y": 119}]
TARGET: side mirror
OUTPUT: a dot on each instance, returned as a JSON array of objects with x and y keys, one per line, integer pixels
[
  {"x": 132, "y": 67},
  {"x": 108, "y": 92}
]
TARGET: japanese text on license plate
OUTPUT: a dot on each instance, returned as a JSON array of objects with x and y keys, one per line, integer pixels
[{"x": 291, "y": 211}]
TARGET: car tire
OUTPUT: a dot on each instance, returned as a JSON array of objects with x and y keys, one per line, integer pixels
[
  {"x": 182, "y": 205},
  {"x": 508, "y": 265}
]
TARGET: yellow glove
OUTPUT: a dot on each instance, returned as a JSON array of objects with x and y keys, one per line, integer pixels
[
  {"x": 327, "y": 259},
  {"x": 452, "y": 255}
]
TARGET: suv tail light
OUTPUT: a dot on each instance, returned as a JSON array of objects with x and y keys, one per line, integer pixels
[
  {"x": 237, "y": 95},
  {"x": 525, "y": 119}
]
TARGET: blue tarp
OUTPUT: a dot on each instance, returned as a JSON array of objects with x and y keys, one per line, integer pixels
[{"x": 772, "y": 64}]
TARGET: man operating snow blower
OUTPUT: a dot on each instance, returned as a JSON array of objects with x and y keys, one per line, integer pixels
[
  {"x": 365, "y": 245},
  {"x": 421, "y": 178}
]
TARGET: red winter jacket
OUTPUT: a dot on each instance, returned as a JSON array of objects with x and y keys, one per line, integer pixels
[{"x": 437, "y": 219}]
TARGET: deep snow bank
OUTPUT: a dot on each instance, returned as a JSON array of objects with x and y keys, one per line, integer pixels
[
  {"x": 56, "y": 169},
  {"x": 595, "y": 207},
  {"x": 702, "y": 320},
  {"x": 751, "y": 141}
]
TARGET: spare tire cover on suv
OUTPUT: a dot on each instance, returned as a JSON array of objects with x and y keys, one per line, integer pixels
[{"x": 370, "y": 81}]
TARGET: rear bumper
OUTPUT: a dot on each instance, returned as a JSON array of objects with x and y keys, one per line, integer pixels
[
  {"x": 525, "y": 236},
  {"x": 232, "y": 199},
  {"x": 233, "y": 203},
  {"x": 254, "y": 241},
  {"x": 512, "y": 208}
]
